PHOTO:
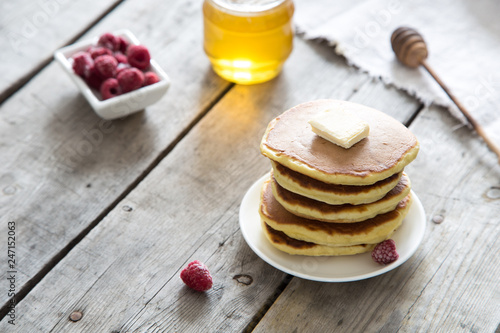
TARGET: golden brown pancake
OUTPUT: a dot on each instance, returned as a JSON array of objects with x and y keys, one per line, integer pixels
[
  {"x": 293, "y": 246},
  {"x": 333, "y": 194},
  {"x": 371, "y": 231},
  {"x": 290, "y": 141},
  {"x": 346, "y": 213}
]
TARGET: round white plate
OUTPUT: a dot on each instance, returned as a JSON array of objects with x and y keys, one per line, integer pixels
[{"x": 328, "y": 269}]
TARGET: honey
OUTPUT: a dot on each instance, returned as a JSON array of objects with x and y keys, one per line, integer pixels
[{"x": 248, "y": 41}]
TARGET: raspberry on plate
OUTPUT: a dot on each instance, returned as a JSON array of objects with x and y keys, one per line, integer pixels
[
  {"x": 150, "y": 78},
  {"x": 385, "y": 253},
  {"x": 110, "y": 88},
  {"x": 121, "y": 66},
  {"x": 130, "y": 79},
  {"x": 106, "y": 66},
  {"x": 110, "y": 41},
  {"x": 82, "y": 63},
  {"x": 138, "y": 56},
  {"x": 120, "y": 57},
  {"x": 196, "y": 276},
  {"x": 96, "y": 51},
  {"x": 93, "y": 78},
  {"x": 123, "y": 44}
]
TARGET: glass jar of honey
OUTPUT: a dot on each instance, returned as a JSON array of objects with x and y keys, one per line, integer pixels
[{"x": 247, "y": 41}]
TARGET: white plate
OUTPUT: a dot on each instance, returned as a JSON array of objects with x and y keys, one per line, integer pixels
[{"x": 328, "y": 269}]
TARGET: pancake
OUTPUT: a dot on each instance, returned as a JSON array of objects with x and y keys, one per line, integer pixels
[
  {"x": 293, "y": 246},
  {"x": 333, "y": 194},
  {"x": 290, "y": 141},
  {"x": 371, "y": 231},
  {"x": 347, "y": 213}
]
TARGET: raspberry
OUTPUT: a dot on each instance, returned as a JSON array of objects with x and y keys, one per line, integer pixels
[
  {"x": 150, "y": 78},
  {"x": 110, "y": 41},
  {"x": 130, "y": 79},
  {"x": 96, "y": 51},
  {"x": 385, "y": 253},
  {"x": 196, "y": 276},
  {"x": 82, "y": 62},
  {"x": 138, "y": 56},
  {"x": 106, "y": 66},
  {"x": 110, "y": 88},
  {"x": 93, "y": 78},
  {"x": 121, "y": 67},
  {"x": 120, "y": 57},
  {"x": 123, "y": 44}
]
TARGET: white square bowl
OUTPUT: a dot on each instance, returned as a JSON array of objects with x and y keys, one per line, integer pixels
[{"x": 122, "y": 105}]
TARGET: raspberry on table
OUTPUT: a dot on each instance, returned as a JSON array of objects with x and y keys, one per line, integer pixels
[
  {"x": 130, "y": 79},
  {"x": 82, "y": 63},
  {"x": 110, "y": 88},
  {"x": 196, "y": 276},
  {"x": 385, "y": 253},
  {"x": 138, "y": 56},
  {"x": 106, "y": 66},
  {"x": 110, "y": 41},
  {"x": 150, "y": 78}
]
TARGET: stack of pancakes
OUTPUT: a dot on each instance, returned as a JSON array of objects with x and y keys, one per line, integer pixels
[{"x": 322, "y": 199}]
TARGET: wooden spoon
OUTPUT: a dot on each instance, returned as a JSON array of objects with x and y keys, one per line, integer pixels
[{"x": 411, "y": 50}]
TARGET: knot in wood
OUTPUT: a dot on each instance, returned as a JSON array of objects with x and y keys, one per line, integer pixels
[
  {"x": 493, "y": 193},
  {"x": 75, "y": 316},
  {"x": 438, "y": 219},
  {"x": 9, "y": 190},
  {"x": 409, "y": 46},
  {"x": 243, "y": 279}
]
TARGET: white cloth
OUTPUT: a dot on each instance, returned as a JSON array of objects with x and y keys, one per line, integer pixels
[{"x": 462, "y": 36}]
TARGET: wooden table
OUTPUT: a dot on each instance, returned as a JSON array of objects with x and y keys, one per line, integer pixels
[{"x": 102, "y": 233}]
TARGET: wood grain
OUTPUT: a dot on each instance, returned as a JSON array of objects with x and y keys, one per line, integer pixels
[
  {"x": 124, "y": 275},
  {"x": 31, "y": 31},
  {"x": 63, "y": 167},
  {"x": 450, "y": 284},
  {"x": 108, "y": 213}
]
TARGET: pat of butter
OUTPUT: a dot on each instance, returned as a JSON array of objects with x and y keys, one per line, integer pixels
[{"x": 341, "y": 127}]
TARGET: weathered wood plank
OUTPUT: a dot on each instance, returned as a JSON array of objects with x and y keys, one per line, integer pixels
[
  {"x": 62, "y": 166},
  {"x": 124, "y": 275},
  {"x": 31, "y": 31},
  {"x": 451, "y": 283},
  {"x": 387, "y": 99}
]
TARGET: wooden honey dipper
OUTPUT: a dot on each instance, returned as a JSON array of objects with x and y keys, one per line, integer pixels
[{"x": 411, "y": 50}]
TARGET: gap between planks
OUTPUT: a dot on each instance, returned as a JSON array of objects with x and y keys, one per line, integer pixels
[
  {"x": 22, "y": 81},
  {"x": 269, "y": 302},
  {"x": 414, "y": 115},
  {"x": 30, "y": 284}
]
